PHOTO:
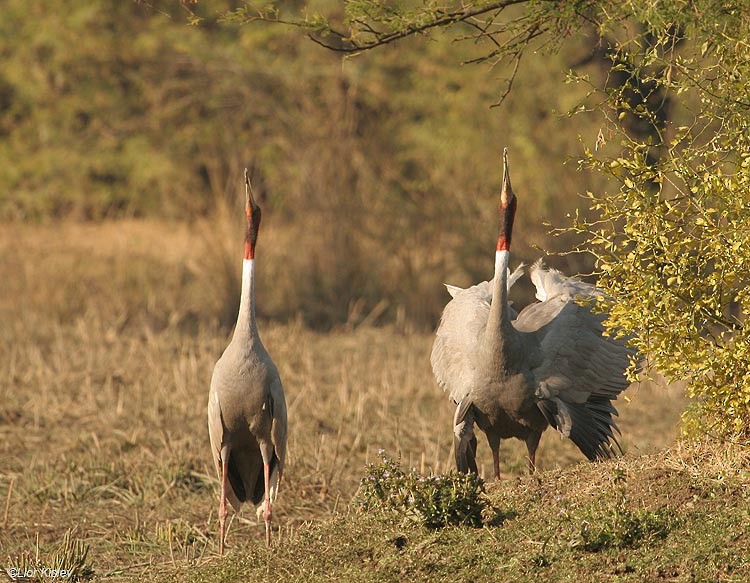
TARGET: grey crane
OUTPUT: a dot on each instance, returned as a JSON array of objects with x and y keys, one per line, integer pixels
[
  {"x": 246, "y": 406},
  {"x": 515, "y": 375}
]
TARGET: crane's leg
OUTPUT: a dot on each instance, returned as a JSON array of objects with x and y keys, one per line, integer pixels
[
  {"x": 494, "y": 443},
  {"x": 473, "y": 458},
  {"x": 532, "y": 442},
  {"x": 223, "y": 500},
  {"x": 496, "y": 463},
  {"x": 267, "y": 502}
]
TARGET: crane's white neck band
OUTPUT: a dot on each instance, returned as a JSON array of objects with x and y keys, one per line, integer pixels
[
  {"x": 247, "y": 295},
  {"x": 502, "y": 258},
  {"x": 248, "y": 270}
]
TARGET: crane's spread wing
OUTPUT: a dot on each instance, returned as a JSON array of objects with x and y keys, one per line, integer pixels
[
  {"x": 578, "y": 371},
  {"x": 550, "y": 283},
  {"x": 484, "y": 289},
  {"x": 457, "y": 339}
]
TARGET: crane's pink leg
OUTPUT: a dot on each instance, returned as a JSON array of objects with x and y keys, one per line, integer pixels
[
  {"x": 223, "y": 502},
  {"x": 267, "y": 502}
]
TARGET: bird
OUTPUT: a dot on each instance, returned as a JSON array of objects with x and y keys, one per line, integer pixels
[
  {"x": 514, "y": 375},
  {"x": 247, "y": 421}
]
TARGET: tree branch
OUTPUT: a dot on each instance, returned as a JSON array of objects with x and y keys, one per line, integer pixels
[{"x": 352, "y": 46}]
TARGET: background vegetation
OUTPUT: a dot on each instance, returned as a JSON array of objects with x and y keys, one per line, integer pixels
[
  {"x": 124, "y": 133},
  {"x": 105, "y": 364},
  {"x": 671, "y": 238},
  {"x": 380, "y": 171}
]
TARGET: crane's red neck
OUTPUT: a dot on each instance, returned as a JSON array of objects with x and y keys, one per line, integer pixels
[
  {"x": 506, "y": 213},
  {"x": 252, "y": 211},
  {"x": 500, "y": 337},
  {"x": 251, "y": 230},
  {"x": 506, "y": 208}
]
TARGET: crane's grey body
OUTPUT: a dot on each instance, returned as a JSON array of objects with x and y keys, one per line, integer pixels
[
  {"x": 247, "y": 422},
  {"x": 514, "y": 375},
  {"x": 247, "y": 417}
]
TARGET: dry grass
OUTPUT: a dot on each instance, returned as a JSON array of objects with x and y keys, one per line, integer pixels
[{"x": 108, "y": 335}]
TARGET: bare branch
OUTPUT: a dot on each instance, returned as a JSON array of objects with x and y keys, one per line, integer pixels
[{"x": 380, "y": 39}]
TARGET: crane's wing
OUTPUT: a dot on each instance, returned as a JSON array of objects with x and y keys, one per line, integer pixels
[
  {"x": 464, "y": 439},
  {"x": 216, "y": 436},
  {"x": 457, "y": 338},
  {"x": 215, "y": 429},
  {"x": 550, "y": 282},
  {"x": 484, "y": 289},
  {"x": 577, "y": 370},
  {"x": 278, "y": 433}
]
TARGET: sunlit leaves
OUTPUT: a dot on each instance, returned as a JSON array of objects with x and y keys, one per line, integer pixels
[{"x": 676, "y": 260}]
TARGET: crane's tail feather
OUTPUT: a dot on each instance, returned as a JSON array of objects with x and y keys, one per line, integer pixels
[
  {"x": 464, "y": 440},
  {"x": 259, "y": 489},
  {"x": 589, "y": 425},
  {"x": 236, "y": 490},
  {"x": 246, "y": 483}
]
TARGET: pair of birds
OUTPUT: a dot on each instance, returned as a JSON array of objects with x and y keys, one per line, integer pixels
[{"x": 512, "y": 375}]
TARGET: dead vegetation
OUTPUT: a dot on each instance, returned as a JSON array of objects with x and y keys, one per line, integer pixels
[{"x": 108, "y": 336}]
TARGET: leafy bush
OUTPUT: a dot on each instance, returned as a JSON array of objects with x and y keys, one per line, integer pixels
[
  {"x": 671, "y": 241},
  {"x": 435, "y": 501}
]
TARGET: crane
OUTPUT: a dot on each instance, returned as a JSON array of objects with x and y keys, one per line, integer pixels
[
  {"x": 515, "y": 375},
  {"x": 247, "y": 422}
]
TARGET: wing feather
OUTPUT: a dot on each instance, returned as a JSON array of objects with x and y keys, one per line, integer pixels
[
  {"x": 278, "y": 433},
  {"x": 579, "y": 371}
]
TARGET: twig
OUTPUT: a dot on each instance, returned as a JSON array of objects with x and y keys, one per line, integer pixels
[
  {"x": 443, "y": 20},
  {"x": 7, "y": 503}
]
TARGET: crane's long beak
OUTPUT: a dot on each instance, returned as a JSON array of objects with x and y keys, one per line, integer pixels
[
  {"x": 506, "y": 194},
  {"x": 506, "y": 208},
  {"x": 252, "y": 211},
  {"x": 250, "y": 204}
]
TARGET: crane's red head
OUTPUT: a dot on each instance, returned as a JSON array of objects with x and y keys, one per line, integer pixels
[
  {"x": 506, "y": 208},
  {"x": 252, "y": 210}
]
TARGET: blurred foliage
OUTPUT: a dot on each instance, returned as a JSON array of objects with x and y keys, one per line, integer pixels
[
  {"x": 672, "y": 243},
  {"x": 379, "y": 173}
]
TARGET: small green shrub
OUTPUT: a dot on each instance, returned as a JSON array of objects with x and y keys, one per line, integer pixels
[
  {"x": 619, "y": 527},
  {"x": 435, "y": 501},
  {"x": 624, "y": 528}
]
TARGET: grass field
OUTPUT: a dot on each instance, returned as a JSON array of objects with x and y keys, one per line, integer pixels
[{"x": 108, "y": 335}]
